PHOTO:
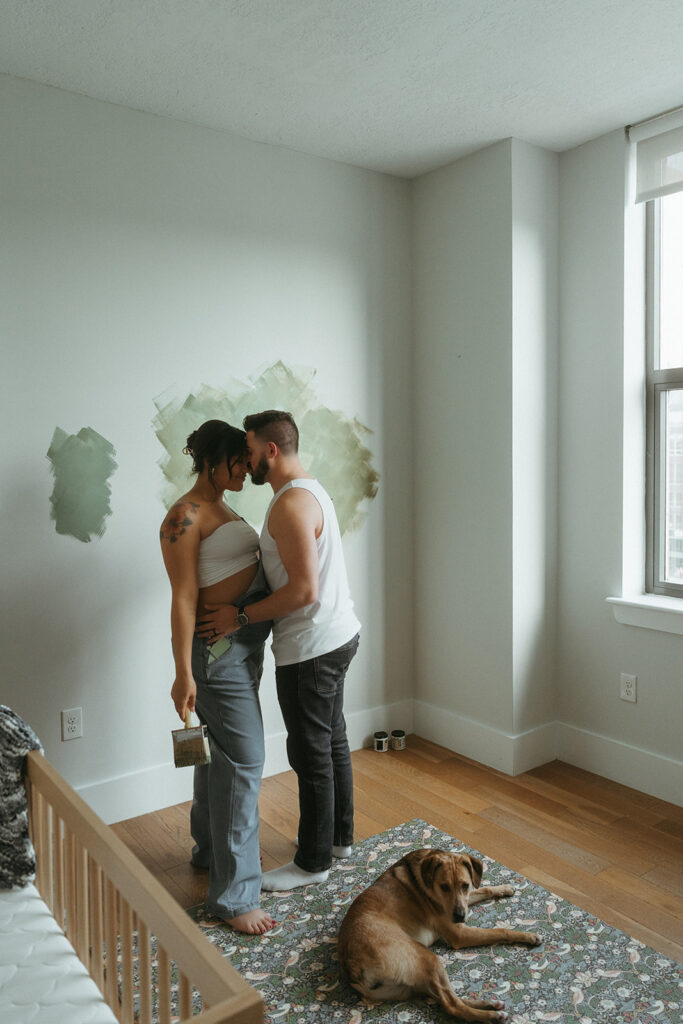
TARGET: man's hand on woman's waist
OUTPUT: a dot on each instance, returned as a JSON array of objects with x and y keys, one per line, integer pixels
[{"x": 218, "y": 620}]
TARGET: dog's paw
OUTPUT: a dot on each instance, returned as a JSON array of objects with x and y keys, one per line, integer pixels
[
  {"x": 506, "y": 890},
  {"x": 534, "y": 939},
  {"x": 494, "y": 1005},
  {"x": 500, "y": 1015}
]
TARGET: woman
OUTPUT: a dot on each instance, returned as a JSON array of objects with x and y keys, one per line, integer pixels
[{"x": 212, "y": 557}]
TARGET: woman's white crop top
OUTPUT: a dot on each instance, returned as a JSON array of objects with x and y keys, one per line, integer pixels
[{"x": 230, "y": 548}]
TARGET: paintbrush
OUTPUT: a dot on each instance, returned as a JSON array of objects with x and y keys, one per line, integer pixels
[{"x": 191, "y": 744}]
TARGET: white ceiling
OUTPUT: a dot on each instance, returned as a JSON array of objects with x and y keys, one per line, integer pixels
[{"x": 401, "y": 86}]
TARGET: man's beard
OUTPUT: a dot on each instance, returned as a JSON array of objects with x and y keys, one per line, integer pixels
[{"x": 260, "y": 471}]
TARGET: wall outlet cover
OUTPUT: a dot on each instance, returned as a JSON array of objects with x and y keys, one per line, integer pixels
[
  {"x": 628, "y": 687},
  {"x": 72, "y": 724}
]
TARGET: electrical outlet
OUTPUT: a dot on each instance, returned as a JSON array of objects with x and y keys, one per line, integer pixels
[
  {"x": 627, "y": 689},
  {"x": 72, "y": 724}
]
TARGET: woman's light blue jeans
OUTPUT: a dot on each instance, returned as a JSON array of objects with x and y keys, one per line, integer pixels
[{"x": 224, "y": 819}]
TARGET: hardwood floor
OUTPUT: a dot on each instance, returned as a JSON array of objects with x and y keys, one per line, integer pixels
[{"x": 613, "y": 851}]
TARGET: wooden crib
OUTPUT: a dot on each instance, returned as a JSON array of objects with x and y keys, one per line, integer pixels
[{"x": 147, "y": 957}]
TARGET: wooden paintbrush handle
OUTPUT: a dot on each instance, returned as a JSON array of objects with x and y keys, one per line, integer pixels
[{"x": 188, "y": 723}]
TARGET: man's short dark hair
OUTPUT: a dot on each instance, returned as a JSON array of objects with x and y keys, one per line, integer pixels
[{"x": 276, "y": 426}]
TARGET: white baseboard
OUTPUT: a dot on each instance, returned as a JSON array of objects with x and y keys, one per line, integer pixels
[
  {"x": 126, "y": 796},
  {"x": 508, "y": 753},
  {"x": 534, "y": 747},
  {"x": 644, "y": 770}
]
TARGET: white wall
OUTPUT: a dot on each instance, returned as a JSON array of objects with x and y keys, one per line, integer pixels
[
  {"x": 463, "y": 409},
  {"x": 600, "y": 463},
  {"x": 141, "y": 255},
  {"x": 529, "y": 285},
  {"x": 535, "y": 185},
  {"x": 486, "y": 338}
]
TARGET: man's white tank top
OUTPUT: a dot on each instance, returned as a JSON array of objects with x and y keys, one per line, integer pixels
[{"x": 329, "y": 622}]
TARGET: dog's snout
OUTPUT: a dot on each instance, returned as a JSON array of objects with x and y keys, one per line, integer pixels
[{"x": 458, "y": 915}]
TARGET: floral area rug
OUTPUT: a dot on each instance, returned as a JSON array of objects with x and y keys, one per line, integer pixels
[{"x": 585, "y": 971}]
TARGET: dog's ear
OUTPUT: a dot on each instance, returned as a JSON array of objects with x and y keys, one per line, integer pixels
[
  {"x": 476, "y": 870},
  {"x": 429, "y": 865}
]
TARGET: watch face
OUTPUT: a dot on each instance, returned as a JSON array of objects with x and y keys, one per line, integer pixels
[{"x": 242, "y": 619}]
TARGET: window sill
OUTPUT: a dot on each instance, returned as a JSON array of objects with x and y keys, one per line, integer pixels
[{"x": 650, "y": 611}]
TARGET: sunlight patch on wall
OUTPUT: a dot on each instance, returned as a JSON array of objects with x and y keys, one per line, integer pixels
[
  {"x": 331, "y": 444},
  {"x": 81, "y": 465}
]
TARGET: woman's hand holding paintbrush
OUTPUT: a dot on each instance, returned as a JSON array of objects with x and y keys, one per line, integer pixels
[{"x": 183, "y": 694}]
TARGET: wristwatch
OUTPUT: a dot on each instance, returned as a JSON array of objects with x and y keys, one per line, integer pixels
[{"x": 242, "y": 617}]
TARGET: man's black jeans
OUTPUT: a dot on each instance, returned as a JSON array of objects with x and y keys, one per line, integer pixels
[{"x": 311, "y": 695}]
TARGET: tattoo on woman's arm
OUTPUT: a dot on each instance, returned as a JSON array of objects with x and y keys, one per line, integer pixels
[{"x": 180, "y": 516}]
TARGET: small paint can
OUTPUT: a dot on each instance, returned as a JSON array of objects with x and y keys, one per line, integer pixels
[
  {"x": 381, "y": 741},
  {"x": 398, "y": 739}
]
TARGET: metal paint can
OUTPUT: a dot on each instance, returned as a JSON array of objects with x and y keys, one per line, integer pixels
[
  {"x": 398, "y": 739},
  {"x": 381, "y": 741}
]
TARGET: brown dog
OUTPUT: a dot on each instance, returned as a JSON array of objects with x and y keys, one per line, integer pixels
[{"x": 384, "y": 936}]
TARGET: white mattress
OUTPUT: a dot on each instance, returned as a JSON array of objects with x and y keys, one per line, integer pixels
[{"x": 42, "y": 981}]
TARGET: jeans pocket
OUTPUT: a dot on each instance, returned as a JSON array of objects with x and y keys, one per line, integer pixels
[
  {"x": 343, "y": 656},
  {"x": 324, "y": 676},
  {"x": 218, "y": 649},
  {"x": 330, "y": 669},
  {"x": 350, "y": 648}
]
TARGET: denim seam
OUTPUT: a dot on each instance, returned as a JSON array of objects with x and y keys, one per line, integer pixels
[{"x": 226, "y": 913}]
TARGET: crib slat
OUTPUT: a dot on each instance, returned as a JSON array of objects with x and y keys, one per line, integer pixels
[
  {"x": 96, "y": 958},
  {"x": 46, "y": 853},
  {"x": 55, "y": 860},
  {"x": 82, "y": 943},
  {"x": 144, "y": 974},
  {"x": 163, "y": 985},
  {"x": 70, "y": 884},
  {"x": 59, "y": 871},
  {"x": 184, "y": 996},
  {"x": 126, "y": 962},
  {"x": 31, "y": 807},
  {"x": 37, "y": 825},
  {"x": 110, "y": 932}
]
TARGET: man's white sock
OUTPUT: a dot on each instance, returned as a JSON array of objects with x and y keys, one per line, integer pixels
[{"x": 290, "y": 876}]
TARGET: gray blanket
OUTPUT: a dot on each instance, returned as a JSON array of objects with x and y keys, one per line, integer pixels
[{"x": 17, "y": 859}]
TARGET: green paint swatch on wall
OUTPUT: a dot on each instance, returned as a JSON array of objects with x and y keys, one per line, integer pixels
[
  {"x": 81, "y": 464},
  {"x": 332, "y": 448}
]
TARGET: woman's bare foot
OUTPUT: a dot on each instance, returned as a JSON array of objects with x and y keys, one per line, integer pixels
[{"x": 254, "y": 922}]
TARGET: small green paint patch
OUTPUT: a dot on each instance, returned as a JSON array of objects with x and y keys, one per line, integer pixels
[
  {"x": 81, "y": 464},
  {"x": 332, "y": 447}
]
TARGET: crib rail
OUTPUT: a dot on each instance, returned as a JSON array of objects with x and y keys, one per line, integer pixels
[{"x": 147, "y": 957}]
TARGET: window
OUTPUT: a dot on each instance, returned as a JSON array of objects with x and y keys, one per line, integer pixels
[
  {"x": 665, "y": 394},
  {"x": 658, "y": 148}
]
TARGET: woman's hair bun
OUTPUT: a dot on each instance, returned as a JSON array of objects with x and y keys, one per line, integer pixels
[
  {"x": 212, "y": 442},
  {"x": 189, "y": 446}
]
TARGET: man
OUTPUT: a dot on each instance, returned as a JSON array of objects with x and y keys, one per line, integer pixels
[{"x": 315, "y": 637}]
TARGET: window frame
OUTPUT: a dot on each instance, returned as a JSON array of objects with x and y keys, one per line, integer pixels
[{"x": 658, "y": 382}]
